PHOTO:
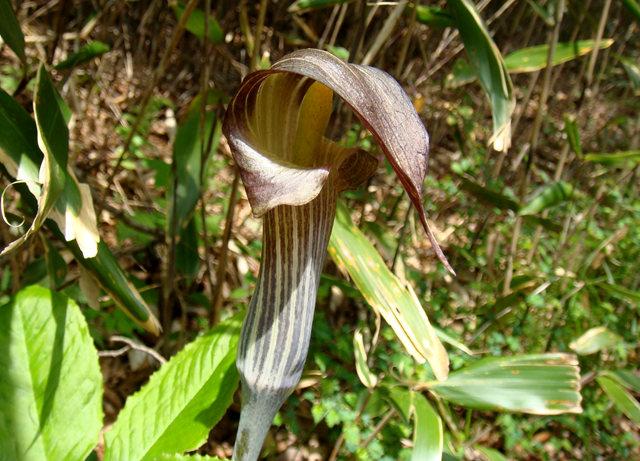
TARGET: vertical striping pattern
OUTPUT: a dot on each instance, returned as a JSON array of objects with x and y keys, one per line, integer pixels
[{"x": 275, "y": 335}]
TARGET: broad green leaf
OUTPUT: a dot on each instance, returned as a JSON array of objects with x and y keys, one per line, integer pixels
[
  {"x": 53, "y": 140},
  {"x": 489, "y": 65},
  {"x": 86, "y": 53},
  {"x": 488, "y": 196},
  {"x": 540, "y": 384},
  {"x": 634, "y": 7},
  {"x": 549, "y": 196},
  {"x": 433, "y": 16},
  {"x": 10, "y": 30},
  {"x": 615, "y": 158},
  {"x": 626, "y": 378},
  {"x": 367, "y": 378},
  {"x": 623, "y": 401},
  {"x": 182, "y": 401},
  {"x": 534, "y": 58},
  {"x": 50, "y": 381},
  {"x": 386, "y": 294},
  {"x": 302, "y": 5},
  {"x": 573, "y": 135},
  {"x": 196, "y": 24},
  {"x": 595, "y": 340},
  {"x": 490, "y": 454},
  {"x": 428, "y": 438}
]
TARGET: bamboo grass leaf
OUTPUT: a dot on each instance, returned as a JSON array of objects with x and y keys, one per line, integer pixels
[
  {"x": 622, "y": 158},
  {"x": 428, "y": 437},
  {"x": 367, "y": 378},
  {"x": 626, "y": 378},
  {"x": 196, "y": 24},
  {"x": 548, "y": 197},
  {"x": 621, "y": 398},
  {"x": 573, "y": 135},
  {"x": 50, "y": 381},
  {"x": 634, "y": 7},
  {"x": 386, "y": 294},
  {"x": 300, "y": 6},
  {"x": 20, "y": 155},
  {"x": 10, "y": 30},
  {"x": 542, "y": 384},
  {"x": 85, "y": 54},
  {"x": 182, "y": 401},
  {"x": 594, "y": 340},
  {"x": 434, "y": 16},
  {"x": 490, "y": 68},
  {"x": 534, "y": 58},
  {"x": 53, "y": 140},
  {"x": 489, "y": 454}
]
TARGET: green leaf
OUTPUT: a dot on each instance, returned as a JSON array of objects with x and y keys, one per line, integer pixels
[
  {"x": 386, "y": 294},
  {"x": 594, "y": 340},
  {"x": 622, "y": 158},
  {"x": 10, "y": 30},
  {"x": 428, "y": 438},
  {"x": 53, "y": 139},
  {"x": 434, "y": 16},
  {"x": 367, "y": 378},
  {"x": 488, "y": 196},
  {"x": 634, "y": 7},
  {"x": 623, "y": 401},
  {"x": 86, "y": 53},
  {"x": 490, "y": 67},
  {"x": 186, "y": 169},
  {"x": 534, "y": 58},
  {"x": 182, "y": 401},
  {"x": 302, "y": 5},
  {"x": 549, "y": 196},
  {"x": 196, "y": 24},
  {"x": 626, "y": 378},
  {"x": 621, "y": 292},
  {"x": 633, "y": 71},
  {"x": 573, "y": 135},
  {"x": 19, "y": 152},
  {"x": 107, "y": 273},
  {"x": 50, "y": 381},
  {"x": 540, "y": 384}
]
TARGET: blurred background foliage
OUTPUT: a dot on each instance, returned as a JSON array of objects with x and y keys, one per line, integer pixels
[{"x": 533, "y": 189}]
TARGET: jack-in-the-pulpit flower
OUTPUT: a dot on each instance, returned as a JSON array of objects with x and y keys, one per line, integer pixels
[{"x": 275, "y": 126}]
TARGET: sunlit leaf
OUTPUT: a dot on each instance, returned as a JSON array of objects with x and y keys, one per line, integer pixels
[
  {"x": 182, "y": 401},
  {"x": 85, "y": 54},
  {"x": 489, "y": 65},
  {"x": 53, "y": 140},
  {"x": 549, "y": 196},
  {"x": 50, "y": 381},
  {"x": 534, "y": 58},
  {"x": 196, "y": 24},
  {"x": 623, "y": 401},
  {"x": 594, "y": 340},
  {"x": 10, "y": 30},
  {"x": 396, "y": 302},
  {"x": 428, "y": 438},
  {"x": 542, "y": 384},
  {"x": 367, "y": 378}
]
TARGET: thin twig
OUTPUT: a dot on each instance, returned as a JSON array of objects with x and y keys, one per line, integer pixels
[{"x": 139, "y": 347}]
